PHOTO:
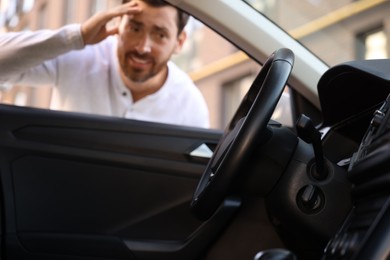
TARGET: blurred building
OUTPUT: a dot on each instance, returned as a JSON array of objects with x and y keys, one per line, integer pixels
[
  {"x": 338, "y": 31},
  {"x": 221, "y": 72},
  {"x": 18, "y": 15}
]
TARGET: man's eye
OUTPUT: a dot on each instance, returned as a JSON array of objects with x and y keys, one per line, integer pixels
[
  {"x": 134, "y": 28},
  {"x": 131, "y": 27},
  {"x": 160, "y": 35}
]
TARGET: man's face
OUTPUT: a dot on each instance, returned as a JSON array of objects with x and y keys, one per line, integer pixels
[{"x": 147, "y": 41}]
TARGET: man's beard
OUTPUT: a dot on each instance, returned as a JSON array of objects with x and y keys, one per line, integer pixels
[
  {"x": 134, "y": 74},
  {"x": 137, "y": 76}
]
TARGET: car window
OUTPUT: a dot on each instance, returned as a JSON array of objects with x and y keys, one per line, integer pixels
[{"x": 221, "y": 71}]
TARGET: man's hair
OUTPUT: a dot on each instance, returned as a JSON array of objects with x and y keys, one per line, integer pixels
[{"x": 182, "y": 17}]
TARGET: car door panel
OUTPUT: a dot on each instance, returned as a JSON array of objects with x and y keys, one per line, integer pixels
[{"x": 91, "y": 186}]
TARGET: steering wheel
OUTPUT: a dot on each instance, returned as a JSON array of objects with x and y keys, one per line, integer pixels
[{"x": 245, "y": 132}]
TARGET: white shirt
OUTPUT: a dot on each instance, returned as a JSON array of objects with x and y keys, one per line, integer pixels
[{"x": 87, "y": 79}]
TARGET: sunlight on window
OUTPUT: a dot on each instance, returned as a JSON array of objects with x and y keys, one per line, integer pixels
[
  {"x": 4, "y": 6},
  {"x": 28, "y": 5},
  {"x": 21, "y": 99},
  {"x": 376, "y": 46}
]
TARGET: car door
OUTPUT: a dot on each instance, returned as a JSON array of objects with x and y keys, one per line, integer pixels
[{"x": 77, "y": 186}]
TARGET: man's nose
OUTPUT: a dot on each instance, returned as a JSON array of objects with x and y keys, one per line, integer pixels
[{"x": 144, "y": 45}]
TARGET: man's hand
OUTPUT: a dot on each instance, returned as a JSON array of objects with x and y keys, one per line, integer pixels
[{"x": 95, "y": 30}]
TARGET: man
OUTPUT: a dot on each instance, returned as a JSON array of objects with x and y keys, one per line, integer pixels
[{"x": 124, "y": 71}]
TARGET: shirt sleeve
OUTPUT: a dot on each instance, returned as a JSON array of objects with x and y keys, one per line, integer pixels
[{"x": 30, "y": 57}]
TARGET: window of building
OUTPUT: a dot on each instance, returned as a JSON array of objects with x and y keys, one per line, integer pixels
[
  {"x": 372, "y": 44},
  {"x": 98, "y": 5},
  {"x": 70, "y": 7},
  {"x": 234, "y": 91},
  {"x": 27, "y": 5},
  {"x": 265, "y": 6},
  {"x": 8, "y": 13},
  {"x": 20, "y": 98},
  {"x": 188, "y": 59},
  {"x": 12, "y": 11},
  {"x": 42, "y": 17}
]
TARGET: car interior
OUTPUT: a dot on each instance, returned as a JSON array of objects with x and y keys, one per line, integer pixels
[
  {"x": 89, "y": 187},
  {"x": 92, "y": 187}
]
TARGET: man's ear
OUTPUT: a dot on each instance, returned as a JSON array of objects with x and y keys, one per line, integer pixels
[{"x": 181, "y": 38}]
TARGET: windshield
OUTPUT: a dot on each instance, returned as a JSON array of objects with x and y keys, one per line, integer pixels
[{"x": 336, "y": 31}]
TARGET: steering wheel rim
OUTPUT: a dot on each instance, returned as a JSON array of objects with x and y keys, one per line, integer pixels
[{"x": 243, "y": 134}]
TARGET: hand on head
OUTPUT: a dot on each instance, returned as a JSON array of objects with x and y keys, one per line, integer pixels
[{"x": 95, "y": 30}]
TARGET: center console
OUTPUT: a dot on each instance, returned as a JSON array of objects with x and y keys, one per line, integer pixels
[{"x": 365, "y": 234}]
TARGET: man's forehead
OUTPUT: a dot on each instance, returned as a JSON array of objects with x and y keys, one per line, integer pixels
[
  {"x": 164, "y": 17},
  {"x": 145, "y": 4}
]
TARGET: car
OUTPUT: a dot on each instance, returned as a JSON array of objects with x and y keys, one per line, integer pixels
[{"x": 80, "y": 186}]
